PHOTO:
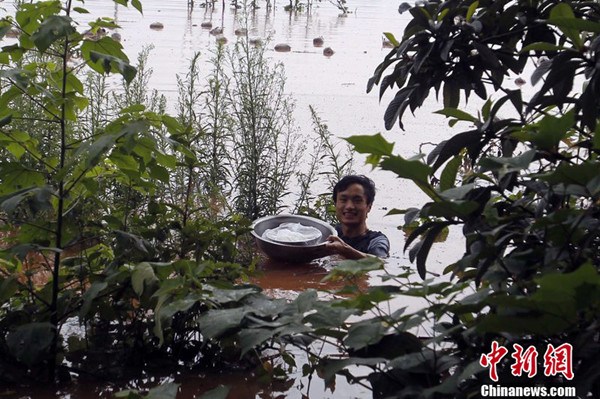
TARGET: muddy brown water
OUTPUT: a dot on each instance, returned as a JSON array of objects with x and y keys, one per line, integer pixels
[{"x": 336, "y": 86}]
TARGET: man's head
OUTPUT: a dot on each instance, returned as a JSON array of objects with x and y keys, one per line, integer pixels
[
  {"x": 353, "y": 196},
  {"x": 364, "y": 181}
]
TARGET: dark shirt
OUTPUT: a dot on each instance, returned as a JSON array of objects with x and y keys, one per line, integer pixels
[{"x": 372, "y": 242}]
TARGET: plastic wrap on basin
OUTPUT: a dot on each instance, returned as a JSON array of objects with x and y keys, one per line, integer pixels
[{"x": 286, "y": 252}]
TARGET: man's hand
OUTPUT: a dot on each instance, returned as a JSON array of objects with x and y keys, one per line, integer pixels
[{"x": 336, "y": 246}]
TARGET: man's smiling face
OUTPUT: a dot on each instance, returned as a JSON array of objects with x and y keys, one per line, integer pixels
[{"x": 351, "y": 205}]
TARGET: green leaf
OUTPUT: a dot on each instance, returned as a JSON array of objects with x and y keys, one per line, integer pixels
[
  {"x": 158, "y": 172},
  {"x": 164, "y": 313},
  {"x": 172, "y": 124},
  {"x": 448, "y": 176},
  {"x": 541, "y": 46},
  {"x": 107, "y": 63},
  {"x": 128, "y": 394},
  {"x": 548, "y": 133},
  {"x": 6, "y": 98},
  {"x": 567, "y": 173},
  {"x": 16, "y": 149},
  {"x": 391, "y": 38},
  {"x": 471, "y": 10},
  {"x": 164, "y": 391},
  {"x": 526, "y": 322},
  {"x": 219, "y": 392},
  {"x": 407, "y": 169},
  {"x": 4, "y": 58},
  {"x": 374, "y": 145},
  {"x": 30, "y": 343},
  {"x": 581, "y": 288},
  {"x": 506, "y": 165},
  {"x": 133, "y": 109},
  {"x": 39, "y": 198},
  {"x": 397, "y": 106},
  {"x": 457, "y": 193},
  {"x": 137, "y": 4},
  {"x": 449, "y": 209},
  {"x": 142, "y": 276},
  {"x": 416, "y": 171},
  {"x": 330, "y": 367},
  {"x": 104, "y": 46},
  {"x": 562, "y": 16},
  {"x": 305, "y": 301},
  {"x": 88, "y": 297},
  {"x": 95, "y": 150},
  {"x": 215, "y": 323},
  {"x": 457, "y": 113},
  {"x": 53, "y": 28},
  {"x": 16, "y": 175},
  {"x": 8, "y": 287},
  {"x": 452, "y": 147},
  {"x": 166, "y": 160},
  {"x": 358, "y": 267},
  {"x": 20, "y": 77},
  {"x": 222, "y": 296},
  {"x": 552, "y": 309},
  {"x": 575, "y": 24},
  {"x": 328, "y": 316},
  {"x": 425, "y": 246},
  {"x": 364, "y": 333},
  {"x": 251, "y": 338},
  {"x": 105, "y": 56},
  {"x": 451, "y": 93}
]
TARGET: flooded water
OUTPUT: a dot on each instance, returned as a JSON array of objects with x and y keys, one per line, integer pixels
[{"x": 336, "y": 86}]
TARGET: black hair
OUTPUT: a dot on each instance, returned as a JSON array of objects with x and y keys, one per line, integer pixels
[{"x": 346, "y": 181}]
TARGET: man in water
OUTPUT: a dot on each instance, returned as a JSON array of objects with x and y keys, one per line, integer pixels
[{"x": 353, "y": 197}]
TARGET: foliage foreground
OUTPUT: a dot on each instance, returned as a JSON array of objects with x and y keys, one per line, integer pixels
[{"x": 84, "y": 206}]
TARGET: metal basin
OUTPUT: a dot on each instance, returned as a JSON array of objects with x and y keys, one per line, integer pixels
[{"x": 286, "y": 252}]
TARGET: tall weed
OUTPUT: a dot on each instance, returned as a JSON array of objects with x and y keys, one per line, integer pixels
[
  {"x": 326, "y": 166},
  {"x": 264, "y": 146}
]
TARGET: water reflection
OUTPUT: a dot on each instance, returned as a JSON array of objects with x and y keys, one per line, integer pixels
[{"x": 287, "y": 280}]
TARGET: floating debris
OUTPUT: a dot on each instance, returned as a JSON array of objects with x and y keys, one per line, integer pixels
[
  {"x": 283, "y": 48},
  {"x": 255, "y": 41},
  {"x": 216, "y": 31},
  {"x": 94, "y": 34},
  {"x": 156, "y": 26}
]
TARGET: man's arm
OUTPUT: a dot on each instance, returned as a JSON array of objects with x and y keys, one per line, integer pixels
[
  {"x": 336, "y": 246},
  {"x": 379, "y": 246}
]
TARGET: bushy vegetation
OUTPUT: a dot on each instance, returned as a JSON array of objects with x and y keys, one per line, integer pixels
[{"x": 115, "y": 214}]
